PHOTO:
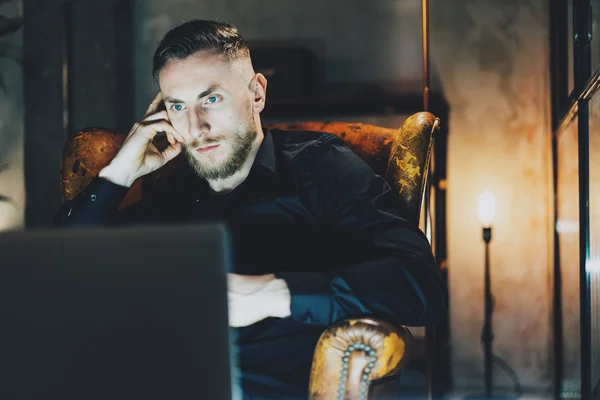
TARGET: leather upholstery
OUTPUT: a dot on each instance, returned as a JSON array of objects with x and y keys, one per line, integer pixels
[{"x": 337, "y": 347}]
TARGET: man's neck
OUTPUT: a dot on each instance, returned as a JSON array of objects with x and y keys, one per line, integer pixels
[{"x": 224, "y": 186}]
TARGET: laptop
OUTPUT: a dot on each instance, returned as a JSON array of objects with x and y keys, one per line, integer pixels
[{"x": 105, "y": 313}]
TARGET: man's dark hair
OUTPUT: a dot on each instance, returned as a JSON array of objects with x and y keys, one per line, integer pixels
[{"x": 188, "y": 38}]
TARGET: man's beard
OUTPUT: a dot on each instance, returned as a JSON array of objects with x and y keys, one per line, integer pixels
[{"x": 241, "y": 145}]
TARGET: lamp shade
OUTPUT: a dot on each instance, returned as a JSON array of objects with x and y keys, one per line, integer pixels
[{"x": 486, "y": 205}]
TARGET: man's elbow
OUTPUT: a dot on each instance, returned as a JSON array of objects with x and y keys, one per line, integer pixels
[
  {"x": 435, "y": 308},
  {"x": 431, "y": 288},
  {"x": 427, "y": 305}
]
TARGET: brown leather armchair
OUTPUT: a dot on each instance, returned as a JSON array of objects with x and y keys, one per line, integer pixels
[{"x": 352, "y": 355}]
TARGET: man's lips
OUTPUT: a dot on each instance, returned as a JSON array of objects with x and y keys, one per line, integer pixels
[{"x": 206, "y": 149}]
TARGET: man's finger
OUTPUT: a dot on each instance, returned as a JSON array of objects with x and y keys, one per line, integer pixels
[
  {"x": 170, "y": 138},
  {"x": 171, "y": 152},
  {"x": 154, "y": 128},
  {"x": 156, "y": 116},
  {"x": 162, "y": 117},
  {"x": 167, "y": 128},
  {"x": 153, "y": 148},
  {"x": 177, "y": 136},
  {"x": 154, "y": 106}
]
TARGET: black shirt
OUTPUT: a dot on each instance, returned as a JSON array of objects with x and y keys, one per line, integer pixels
[{"x": 312, "y": 212}]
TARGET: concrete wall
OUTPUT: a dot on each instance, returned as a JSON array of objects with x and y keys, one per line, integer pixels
[
  {"x": 492, "y": 58},
  {"x": 11, "y": 126},
  {"x": 358, "y": 40}
]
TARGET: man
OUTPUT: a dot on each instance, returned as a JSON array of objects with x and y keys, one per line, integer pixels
[{"x": 315, "y": 233}]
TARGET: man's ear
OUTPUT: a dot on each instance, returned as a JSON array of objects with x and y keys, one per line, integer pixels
[{"x": 259, "y": 90}]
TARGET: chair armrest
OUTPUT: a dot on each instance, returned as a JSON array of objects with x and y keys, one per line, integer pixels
[
  {"x": 409, "y": 161},
  {"x": 352, "y": 353}
]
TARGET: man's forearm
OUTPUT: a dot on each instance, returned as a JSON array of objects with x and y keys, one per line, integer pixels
[
  {"x": 95, "y": 205},
  {"x": 404, "y": 289},
  {"x": 116, "y": 176},
  {"x": 253, "y": 298},
  {"x": 277, "y": 299}
]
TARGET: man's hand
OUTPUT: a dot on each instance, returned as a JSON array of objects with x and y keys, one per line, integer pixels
[
  {"x": 138, "y": 156},
  {"x": 254, "y": 298}
]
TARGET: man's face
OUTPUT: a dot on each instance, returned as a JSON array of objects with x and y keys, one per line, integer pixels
[{"x": 209, "y": 101}]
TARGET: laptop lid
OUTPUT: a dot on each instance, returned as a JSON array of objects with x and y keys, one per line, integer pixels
[{"x": 128, "y": 313}]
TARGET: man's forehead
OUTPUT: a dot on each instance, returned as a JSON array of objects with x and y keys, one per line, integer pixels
[
  {"x": 201, "y": 70},
  {"x": 198, "y": 64}
]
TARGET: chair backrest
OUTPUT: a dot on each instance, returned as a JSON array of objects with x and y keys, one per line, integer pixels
[{"x": 401, "y": 155}]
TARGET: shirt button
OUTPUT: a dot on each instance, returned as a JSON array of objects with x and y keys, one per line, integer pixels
[
  {"x": 93, "y": 197},
  {"x": 308, "y": 317}
]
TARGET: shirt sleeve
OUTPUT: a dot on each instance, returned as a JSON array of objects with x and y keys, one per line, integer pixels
[
  {"x": 384, "y": 264},
  {"x": 96, "y": 205}
]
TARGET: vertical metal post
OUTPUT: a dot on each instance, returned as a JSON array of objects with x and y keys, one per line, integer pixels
[
  {"x": 426, "y": 107},
  {"x": 583, "y": 69},
  {"x": 430, "y": 330},
  {"x": 487, "y": 335},
  {"x": 425, "y": 15},
  {"x": 559, "y": 71}
]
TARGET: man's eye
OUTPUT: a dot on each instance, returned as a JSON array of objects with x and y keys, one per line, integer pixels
[
  {"x": 177, "y": 107},
  {"x": 212, "y": 99}
]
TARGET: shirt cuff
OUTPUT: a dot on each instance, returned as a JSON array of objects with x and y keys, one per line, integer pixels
[
  {"x": 100, "y": 199},
  {"x": 311, "y": 296}
]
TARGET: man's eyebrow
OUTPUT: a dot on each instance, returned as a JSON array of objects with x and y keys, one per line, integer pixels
[
  {"x": 208, "y": 91},
  {"x": 172, "y": 100}
]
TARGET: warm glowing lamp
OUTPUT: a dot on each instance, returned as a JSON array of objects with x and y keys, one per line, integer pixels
[{"x": 486, "y": 209}]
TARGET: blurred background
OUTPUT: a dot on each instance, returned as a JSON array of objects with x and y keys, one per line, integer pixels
[{"x": 513, "y": 82}]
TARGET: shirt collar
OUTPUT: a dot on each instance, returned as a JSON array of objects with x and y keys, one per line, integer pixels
[{"x": 266, "y": 158}]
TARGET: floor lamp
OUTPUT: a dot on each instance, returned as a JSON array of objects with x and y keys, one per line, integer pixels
[{"x": 486, "y": 209}]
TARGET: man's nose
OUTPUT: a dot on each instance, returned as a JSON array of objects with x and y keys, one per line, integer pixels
[{"x": 198, "y": 126}]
